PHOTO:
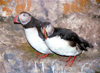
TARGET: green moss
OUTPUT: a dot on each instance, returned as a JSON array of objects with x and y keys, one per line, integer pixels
[
  {"x": 29, "y": 50},
  {"x": 53, "y": 56},
  {"x": 26, "y": 47}
]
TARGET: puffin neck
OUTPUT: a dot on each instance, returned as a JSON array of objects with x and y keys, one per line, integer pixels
[{"x": 33, "y": 23}]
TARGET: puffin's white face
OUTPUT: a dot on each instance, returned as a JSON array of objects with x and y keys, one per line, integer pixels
[
  {"x": 24, "y": 18},
  {"x": 49, "y": 29}
]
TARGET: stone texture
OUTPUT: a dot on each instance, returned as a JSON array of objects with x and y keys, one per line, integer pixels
[
  {"x": 15, "y": 61},
  {"x": 16, "y": 56},
  {"x": 45, "y": 8},
  {"x": 12, "y": 34}
]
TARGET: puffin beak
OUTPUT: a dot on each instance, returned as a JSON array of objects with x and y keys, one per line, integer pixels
[
  {"x": 45, "y": 34},
  {"x": 16, "y": 20}
]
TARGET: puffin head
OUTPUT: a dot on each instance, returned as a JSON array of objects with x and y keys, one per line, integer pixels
[
  {"x": 23, "y": 18},
  {"x": 49, "y": 29}
]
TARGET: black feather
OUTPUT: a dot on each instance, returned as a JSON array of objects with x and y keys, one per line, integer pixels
[
  {"x": 34, "y": 22},
  {"x": 69, "y": 35}
]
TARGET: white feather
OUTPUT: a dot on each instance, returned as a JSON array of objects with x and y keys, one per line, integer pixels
[
  {"x": 62, "y": 47},
  {"x": 35, "y": 41}
]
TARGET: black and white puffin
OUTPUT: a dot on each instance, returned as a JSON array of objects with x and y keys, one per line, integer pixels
[
  {"x": 33, "y": 33},
  {"x": 65, "y": 42}
]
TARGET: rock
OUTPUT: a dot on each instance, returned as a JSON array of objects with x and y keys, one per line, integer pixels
[
  {"x": 16, "y": 62},
  {"x": 17, "y": 56},
  {"x": 12, "y": 34}
]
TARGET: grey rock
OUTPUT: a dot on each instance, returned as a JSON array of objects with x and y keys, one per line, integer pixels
[
  {"x": 90, "y": 71},
  {"x": 15, "y": 59}
]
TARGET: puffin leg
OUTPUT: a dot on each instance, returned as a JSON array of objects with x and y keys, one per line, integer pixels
[
  {"x": 66, "y": 59},
  {"x": 41, "y": 57},
  {"x": 71, "y": 62},
  {"x": 38, "y": 53}
]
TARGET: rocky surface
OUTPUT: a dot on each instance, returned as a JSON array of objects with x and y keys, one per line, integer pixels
[
  {"x": 13, "y": 60},
  {"x": 17, "y": 56}
]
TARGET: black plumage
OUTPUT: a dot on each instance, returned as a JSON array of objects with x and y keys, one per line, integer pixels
[
  {"x": 35, "y": 23},
  {"x": 71, "y": 36},
  {"x": 32, "y": 28}
]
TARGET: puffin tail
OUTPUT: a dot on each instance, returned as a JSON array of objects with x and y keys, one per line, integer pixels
[{"x": 85, "y": 44}]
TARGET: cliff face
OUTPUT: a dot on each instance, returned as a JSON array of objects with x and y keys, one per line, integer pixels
[{"x": 81, "y": 16}]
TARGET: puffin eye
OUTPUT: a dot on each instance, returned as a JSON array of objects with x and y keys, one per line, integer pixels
[{"x": 23, "y": 14}]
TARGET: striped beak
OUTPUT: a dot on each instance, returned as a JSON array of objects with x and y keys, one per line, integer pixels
[
  {"x": 45, "y": 33},
  {"x": 16, "y": 20}
]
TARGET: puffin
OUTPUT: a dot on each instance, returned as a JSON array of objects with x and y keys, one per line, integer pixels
[
  {"x": 65, "y": 42},
  {"x": 32, "y": 28}
]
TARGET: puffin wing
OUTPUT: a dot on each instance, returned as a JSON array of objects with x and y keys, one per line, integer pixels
[
  {"x": 86, "y": 44},
  {"x": 69, "y": 35}
]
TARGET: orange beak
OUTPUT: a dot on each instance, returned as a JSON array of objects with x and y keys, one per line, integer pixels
[
  {"x": 16, "y": 20},
  {"x": 45, "y": 34}
]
